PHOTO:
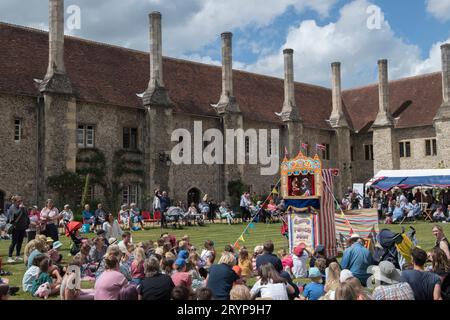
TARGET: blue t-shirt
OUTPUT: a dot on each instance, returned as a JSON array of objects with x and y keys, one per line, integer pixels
[
  {"x": 313, "y": 291},
  {"x": 421, "y": 282},
  {"x": 87, "y": 215},
  {"x": 220, "y": 281}
]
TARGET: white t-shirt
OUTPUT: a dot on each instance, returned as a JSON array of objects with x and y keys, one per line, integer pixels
[
  {"x": 113, "y": 231},
  {"x": 27, "y": 281},
  {"x": 205, "y": 256},
  {"x": 300, "y": 269},
  {"x": 275, "y": 291}
]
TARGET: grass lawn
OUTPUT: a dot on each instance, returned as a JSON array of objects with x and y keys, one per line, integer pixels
[{"x": 221, "y": 234}]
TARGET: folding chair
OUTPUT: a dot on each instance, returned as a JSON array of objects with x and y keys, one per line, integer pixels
[
  {"x": 427, "y": 215},
  {"x": 146, "y": 218}
]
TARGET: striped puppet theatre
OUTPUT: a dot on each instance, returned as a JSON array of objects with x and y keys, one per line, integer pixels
[{"x": 308, "y": 193}]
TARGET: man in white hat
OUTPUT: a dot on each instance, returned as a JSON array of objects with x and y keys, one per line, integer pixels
[
  {"x": 357, "y": 259},
  {"x": 386, "y": 281}
]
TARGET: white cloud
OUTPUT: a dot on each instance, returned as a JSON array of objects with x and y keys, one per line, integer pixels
[
  {"x": 433, "y": 62},
  {"x": 440, "y": 9},
  {"x": 351, "y": 42},
  {"x": 189, "y": 25}
]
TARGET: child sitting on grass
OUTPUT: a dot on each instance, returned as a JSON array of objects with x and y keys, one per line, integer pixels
[
  {"x": 245, "y": 263},
  {"x": 45, "y": 278},
  {"x": 315, "y": 289}
]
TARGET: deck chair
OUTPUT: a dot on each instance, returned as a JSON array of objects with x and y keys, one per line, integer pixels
[{"x": 147, "y": 218}]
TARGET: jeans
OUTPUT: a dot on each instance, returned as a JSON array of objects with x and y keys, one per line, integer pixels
[
  {"x": 51, "y": 231},
  {"x": 17, "y": 240},
  {"x": 245, "y": 213}
]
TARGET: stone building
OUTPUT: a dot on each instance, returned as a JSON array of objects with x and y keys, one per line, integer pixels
[{"x": 111, "y": 111}]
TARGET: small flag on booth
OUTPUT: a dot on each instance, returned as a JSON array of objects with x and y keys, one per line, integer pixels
[
  {"x": 305, "y": 146},
  {"x": 237, "y": 246},
  {"x": 351, "y": 231},
  {"x": 251, "y": 225},
  {"x": 242, "y": 238},
  {"x": 347, "y": 223},
  {"x": 247, "y": 232},
  {"x": 321, "y": 147}
]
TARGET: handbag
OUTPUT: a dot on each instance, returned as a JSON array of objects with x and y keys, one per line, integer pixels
[{"x": 11, "y": 226}]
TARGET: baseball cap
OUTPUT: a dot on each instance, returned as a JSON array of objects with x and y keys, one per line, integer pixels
[
  {"x": 180, "y": 262},
  {"x": 298, "y": 250},
  {"x": 314, "y": 273},
  {"x": 49, "y": 239},
  {"x": 183, "y": 254}
]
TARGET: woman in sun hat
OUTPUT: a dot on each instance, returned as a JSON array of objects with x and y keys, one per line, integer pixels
[{"x": 385, "y": 280}]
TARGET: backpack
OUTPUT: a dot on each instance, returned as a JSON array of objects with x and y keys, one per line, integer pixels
[{"x": 366, "y": 203}]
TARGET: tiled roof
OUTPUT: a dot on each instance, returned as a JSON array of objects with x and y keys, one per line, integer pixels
[
  {"x": 414, "y": 101},
  {"x": 113, "y": 75}
]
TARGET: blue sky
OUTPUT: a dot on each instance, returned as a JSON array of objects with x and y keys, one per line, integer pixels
[{"x": 319, "y": 31}]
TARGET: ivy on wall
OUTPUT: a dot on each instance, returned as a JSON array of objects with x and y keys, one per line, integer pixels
[
  {"x": 93, "y": 162},
  {"x": 128, "y": 166}
]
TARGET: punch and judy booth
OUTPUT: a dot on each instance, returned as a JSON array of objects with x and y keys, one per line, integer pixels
[{"x": 307, "y": 189}]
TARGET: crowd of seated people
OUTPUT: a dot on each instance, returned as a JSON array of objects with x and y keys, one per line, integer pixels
[{"x": 396, "y": 206}]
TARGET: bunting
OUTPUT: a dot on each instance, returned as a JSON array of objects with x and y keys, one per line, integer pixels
[{"x": 251, "y": 226}]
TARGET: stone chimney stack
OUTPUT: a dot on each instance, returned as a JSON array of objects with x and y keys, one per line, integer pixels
[
  {"x": 384, "y": 117},
  {"x": 227, "y": 100},
  {"x": 444, "y": 110},
  {"x": 156, "y": 92},
  {"x": 337, "y": 118},
  {"x": 227, "y": 64},
  {"x": 156, "y": 67},
  {"x": 289, "y": 111},
  {"x": 56, "y": 80}
]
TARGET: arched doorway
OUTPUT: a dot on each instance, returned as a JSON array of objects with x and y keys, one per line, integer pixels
[
  {"x": 193, "y": 196},
  {"x": 2, "y": 201}
]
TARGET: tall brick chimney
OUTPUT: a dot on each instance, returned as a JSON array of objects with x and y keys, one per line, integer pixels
[
  {"x": 55, "y": 79},
  {"x": 384, "y": 117},
  {"x": 227, "y": 102},
  {"x": 290, "y": 110},
  {"x": 337, "y": 118},
  {"x": 444, "y": 110},
  {"x": 156, "y": 92}
]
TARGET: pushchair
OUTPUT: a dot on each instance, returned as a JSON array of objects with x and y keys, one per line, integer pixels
[
  {"x": 71, "y": 231},
  {"x": 394, "y": 247},
  {"x": 174, "y": 216}
]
